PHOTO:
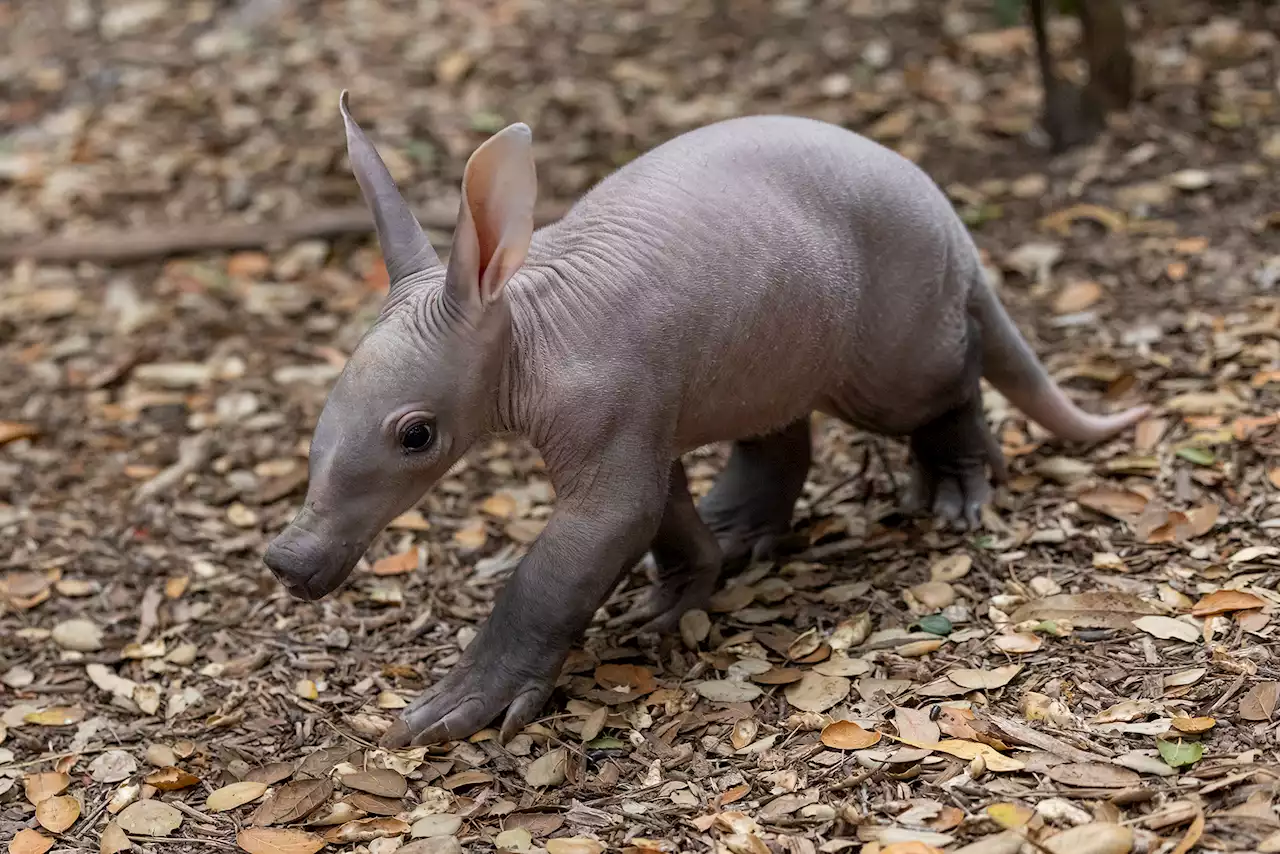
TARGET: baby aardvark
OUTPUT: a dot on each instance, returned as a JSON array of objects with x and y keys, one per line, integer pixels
[{"x": 721, "y": 287}]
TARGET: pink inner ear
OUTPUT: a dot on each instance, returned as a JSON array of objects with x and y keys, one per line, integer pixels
[{"x": 499, "y": 187}]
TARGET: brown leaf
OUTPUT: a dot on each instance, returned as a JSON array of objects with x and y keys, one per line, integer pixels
[
  {"x": 847, "y": 735},
  {"x": 321, "y": 762},
  {"x": 380, "y": 781},
  {"x": 1077, "y": 296},
  {"x": 58, "y": 813},
  {"x": 292, "y": 801},
  {"x": 817, "y": 693},
  {"x": 374, "y": 804},
  {"x": 539, "y": 824},
  {"x": 1226, "y": 600},
  {"x": 594, "y": 724},
  {"x": 1105, "y": 610},
  {"x": 574, "y": 845},
  {"x": 113, "y": 840},
  {"x": 41, "y": 787},
  {"x": 778, "y": 676},
  {"x": 149, "y": 818},
  {"x": 56, "y": 716},
  {"x": 548, "y": 769},
  {"x": 12, "y": 431},
  {"x": 634, "y": 678},
  {"x": 171, "y": 779},
  {"x": 1193, "y": 834},
  {"x": 466, "y": 778},
  {"x": 1260, "y": 701},
  {"x": 1097, "y": 775},
  {"x": 234, "y": 795},
  {"x": 271, "y": 840},
  {"x": 1061, "y": 221},
  {"x": 985, "y": 680},
  {"x": 915, "y": 725},
  {"x": 1121, "y": 504},
  {"x": 270, "y": 774},
  {"x": 366, "y": 830},
  {"x": 30, "y": 841},
  {"x": 396, "y": 564}
]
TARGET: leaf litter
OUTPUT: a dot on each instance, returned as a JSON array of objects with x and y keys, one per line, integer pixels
[{"x": 886, "y": 675}]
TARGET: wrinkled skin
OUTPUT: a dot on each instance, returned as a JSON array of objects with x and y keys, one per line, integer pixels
[{"x": 722, "y": 287}]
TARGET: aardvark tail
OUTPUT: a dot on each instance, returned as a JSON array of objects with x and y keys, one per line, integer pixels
[{"x": 1012, "y": 367}]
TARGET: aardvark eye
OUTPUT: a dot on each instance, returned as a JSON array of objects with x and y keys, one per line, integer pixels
[{"x": 416, "y": 437}]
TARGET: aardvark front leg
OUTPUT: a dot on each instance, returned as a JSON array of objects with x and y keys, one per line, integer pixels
[{"x": 602, "y": 526}]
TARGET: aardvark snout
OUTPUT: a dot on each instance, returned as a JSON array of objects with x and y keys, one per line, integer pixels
[{"x": 306, "y": 564}]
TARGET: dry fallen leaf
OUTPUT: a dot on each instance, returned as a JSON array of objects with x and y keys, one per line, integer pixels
[
  {"x": 171, "y": 779},
  {"x": 1093, "y": 838},
  {"x": 78, "y": 634},
  {"x": 1260, "y": 701},
  {"x": 548, "y": 769},
  {"x": 1018, "y": 642},
  {"x": 273, "y": 840},
  {"x": 1226, "y": 600},
  {"x": 1168, "y": 628},
  {"x": 951, "y": 568},
  {"x": 1194, "y": 725},
  {"x": 380, "y": 781},
  {"x": 42, "y": 786},
  {"x": 149, "y": 818},
  {"x": 985, "y": 680},
  {"x": 56, "y": 716},
  {"x": 396, "y": 564},
  {"x": 12, "y": 431},
  {"x": 30, "y": 841},
  {"x": 366, "y": 830},
  {"x": 817, "y": 693},
  {"x": 728, "y": 690},
  {"x": 908, "y": 846},
  {"x": 1010, "y": 816},
  {"x": 916, "y": 726},
  {"x": 113, "y": 840},
  {"x": 1107, "y": 610},
  {"x": 234, "y": 795},
  {"x": 1098, "y": 775},
  {"x": 625, "y": 678},
  {"x": 574, "y": 845},
  {"x": 292, "y": 801},
  {"x": 1076, "y": 296},
  {"x": 847, "y": 735},
  {"x": 57, "y": 814}
]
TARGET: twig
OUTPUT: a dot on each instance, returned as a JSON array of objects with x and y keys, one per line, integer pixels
[
  {"x": 193, "y": 452},
  {"x": 117, "y": 247}
]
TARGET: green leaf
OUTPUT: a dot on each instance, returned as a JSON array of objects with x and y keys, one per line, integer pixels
[
  {"x": 606, "y": 742},
  {"x": 487, "y": 121},
  {"x": 1178, "y": 753},
  {"x": 1199, "y": 456},
  {"x": 1008, "y": 12},
  {"x": 935, "y": 624},
  {"x": 977, "y": 215}
]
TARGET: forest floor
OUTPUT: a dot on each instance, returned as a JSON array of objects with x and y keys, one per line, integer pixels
[{"x": 1095, "y": 671}]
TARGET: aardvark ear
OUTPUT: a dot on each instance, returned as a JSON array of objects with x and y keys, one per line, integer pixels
[
  {"x": 405, "y": 247},
  {"x": 495, "y": 218}
]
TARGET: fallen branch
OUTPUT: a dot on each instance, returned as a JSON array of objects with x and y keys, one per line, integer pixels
[{"x": 117, "y": 247}]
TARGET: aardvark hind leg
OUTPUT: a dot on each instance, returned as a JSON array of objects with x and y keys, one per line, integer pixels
[
  {"x": 750, "y": 507},
  {"x": 950, "y": 456}
]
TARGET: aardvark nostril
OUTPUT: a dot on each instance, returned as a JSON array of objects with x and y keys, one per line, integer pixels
[{"x": 285, "y": 559}]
